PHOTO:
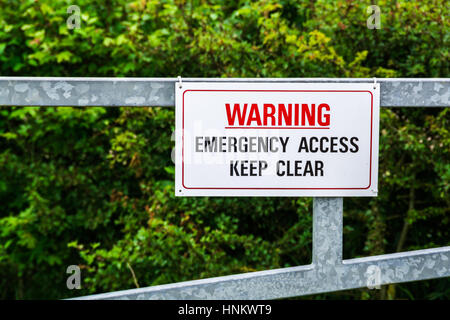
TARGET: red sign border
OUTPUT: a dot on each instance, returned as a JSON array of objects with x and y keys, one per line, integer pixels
[{"x": 225, "y": 188}]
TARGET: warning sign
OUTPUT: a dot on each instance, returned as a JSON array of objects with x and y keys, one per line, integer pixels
[{"x": 277, "y": 139}]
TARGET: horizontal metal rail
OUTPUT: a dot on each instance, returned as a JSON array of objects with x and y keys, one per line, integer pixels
[
  {"x": 141, "y": 92},
  {"x": 327, "y": 272}
]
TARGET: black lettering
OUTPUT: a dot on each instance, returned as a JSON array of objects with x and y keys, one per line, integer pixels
[
  {"x": 233, "y": 168},
  {"x": 308, "y": 169},
  {"x": 252, "y": 144},
  {"x": 334, "y": 144},
  {"x": 263, "y": 144},
  {"x": 253, "y": 168},
  {"x": 243, "y": 147},
  {"x": 311, "y": 149},
  {"x": 322, "y": 149},
  {"x": 356, "y": 148},
  {"x": 343, "y": 141},
  {"x": 243, "y": 168},
  {"x": 319, "y": 168},
  {"x": 279, "y": 172},
  {"x": 211, "y": 143},
  {"x": 284, "y": 143},
  {"x": 303, "y": 145},
  {"x": 198, "y": 144},
  {"x": 272, "y": 149},
  {"x": 262, "y": 166},
  {"x": 298, "y": 167},
  {"x": 222, "y": 144},
  {"x": 232, "y": 144}
]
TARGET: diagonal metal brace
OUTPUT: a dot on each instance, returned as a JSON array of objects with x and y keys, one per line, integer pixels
[{"x": 327, "y": 273}]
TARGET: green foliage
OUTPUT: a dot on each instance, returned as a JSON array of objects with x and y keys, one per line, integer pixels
[{"x": 95, "y": 186}]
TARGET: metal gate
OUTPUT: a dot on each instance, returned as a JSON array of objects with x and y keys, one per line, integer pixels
[{"x": 328, "y": 271}]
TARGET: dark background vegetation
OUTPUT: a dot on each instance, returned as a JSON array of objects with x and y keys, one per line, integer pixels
[{"x": 95, "y": 186}]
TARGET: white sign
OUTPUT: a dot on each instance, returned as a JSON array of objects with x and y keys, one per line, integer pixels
[{"x": 277, "y": 139}]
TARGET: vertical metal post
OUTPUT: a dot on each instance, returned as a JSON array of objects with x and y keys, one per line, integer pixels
[
  {"x": 327, "y": 231},
  {"x": 327, "y": 241}
]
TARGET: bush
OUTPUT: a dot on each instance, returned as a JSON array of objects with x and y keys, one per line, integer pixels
[{"x": 95, "y": 186}]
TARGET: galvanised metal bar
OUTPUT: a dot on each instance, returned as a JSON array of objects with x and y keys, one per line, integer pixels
[
  {"x": 327, "y": 273},
  {"x": 327, "y": 231},
  {"x": 140, "y": 92}
]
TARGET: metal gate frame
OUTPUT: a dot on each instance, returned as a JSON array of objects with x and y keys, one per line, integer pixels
[{"x": 328, "y": 272}]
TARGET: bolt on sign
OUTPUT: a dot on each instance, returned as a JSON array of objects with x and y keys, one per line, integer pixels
[{"x": 276, "y": 139}]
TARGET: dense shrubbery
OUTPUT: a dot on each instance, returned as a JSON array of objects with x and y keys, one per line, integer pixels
[{"x": 94, "y": 186}]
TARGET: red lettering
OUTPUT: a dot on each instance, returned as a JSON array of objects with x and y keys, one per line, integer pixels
[
  {"x": 278, "y": 115},
  {"x": 269, "y": 114},
  {"x": 323, "y": 119},
  {"x": 308, "y": 113},
  {"x": 283, "y": 114},
  {"x": 236, "y": 111},
  {"x": 254, "y": 115}
]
